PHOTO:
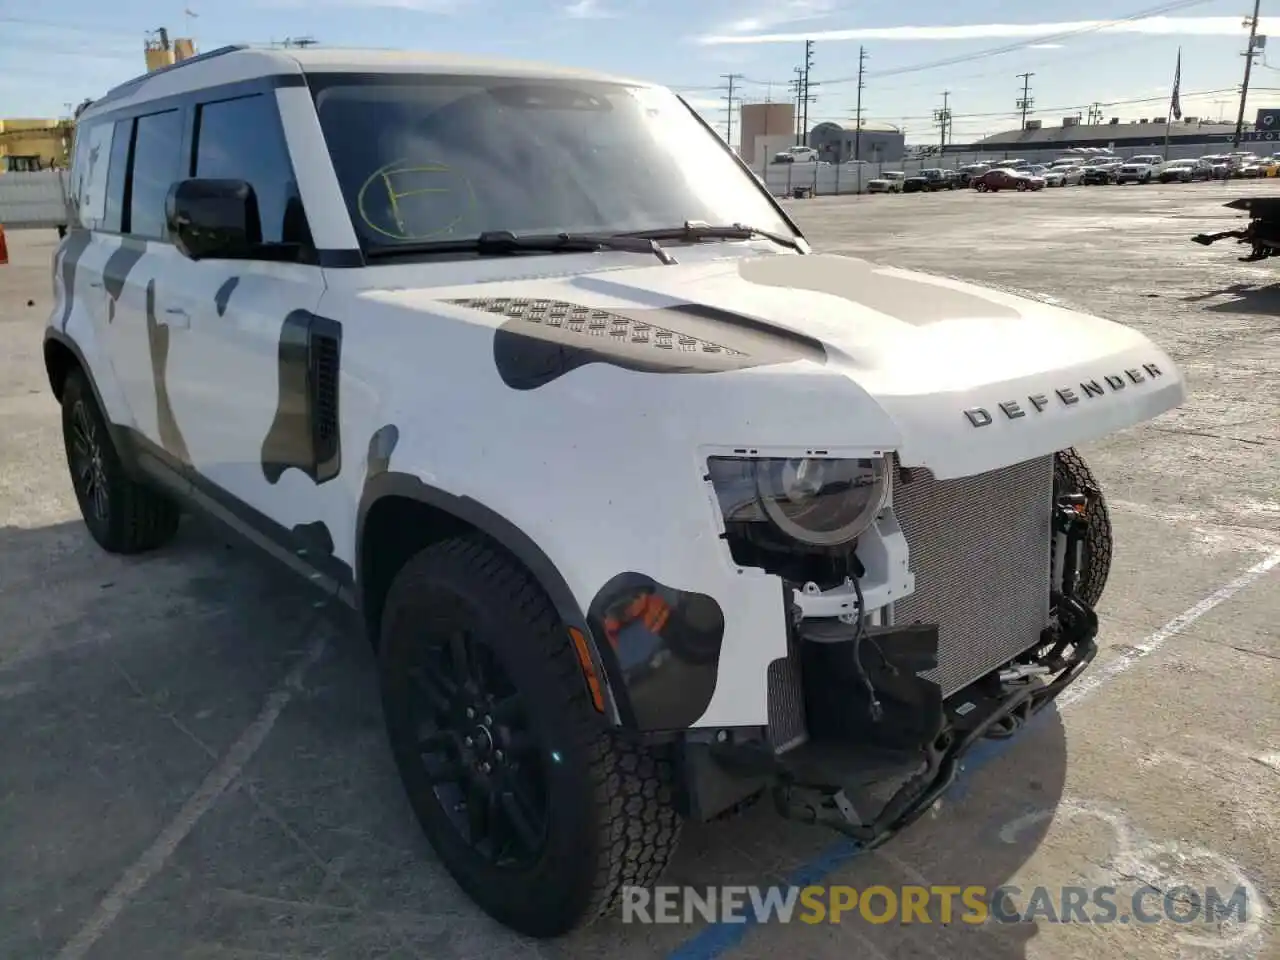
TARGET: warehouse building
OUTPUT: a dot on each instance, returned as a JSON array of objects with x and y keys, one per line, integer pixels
[
  {"x": 1189, "y": 137},
  {"x": 839, "y": 142}
]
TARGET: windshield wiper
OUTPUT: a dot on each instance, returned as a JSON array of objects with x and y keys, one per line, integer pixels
[
  {"x": 493, "y": 243},
  {"x": 694, "y": 230}
]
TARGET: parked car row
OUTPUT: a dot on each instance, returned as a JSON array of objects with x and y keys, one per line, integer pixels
[{"x": 1077, "y": 170}]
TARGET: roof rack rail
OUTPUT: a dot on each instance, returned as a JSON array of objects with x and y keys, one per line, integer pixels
[{"x": 128, "y": 85}]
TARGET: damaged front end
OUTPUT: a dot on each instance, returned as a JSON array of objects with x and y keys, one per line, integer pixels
[
  {"x": 1262, "y": 234},
  {"x": 872, "y": 712}
]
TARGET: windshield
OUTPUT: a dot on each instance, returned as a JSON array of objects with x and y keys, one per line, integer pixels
[{"x": 425, "y": 158}]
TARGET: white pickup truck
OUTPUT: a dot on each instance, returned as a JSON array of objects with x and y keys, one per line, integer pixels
[{"x": 1143, "y": 169}]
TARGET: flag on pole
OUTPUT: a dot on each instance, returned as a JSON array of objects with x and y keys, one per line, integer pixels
[{"x": 1175, "y": 108}]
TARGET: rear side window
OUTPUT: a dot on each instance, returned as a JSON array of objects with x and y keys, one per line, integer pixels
[
  {"x": 88, "y": 181},
  {"x": 157, "y": 164},
  {"x": 241, "y": 139},
  {"x": 114, "y": 198}
]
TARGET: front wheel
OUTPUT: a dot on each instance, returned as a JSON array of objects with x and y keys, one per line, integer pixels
[
  {"x": 540, "y": 813},
  {"x": 1022, "y": 186},
  {"x": 981, "y": 188}
]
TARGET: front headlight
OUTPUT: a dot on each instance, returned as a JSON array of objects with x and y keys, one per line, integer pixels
[{"x": 815, "y": 501}]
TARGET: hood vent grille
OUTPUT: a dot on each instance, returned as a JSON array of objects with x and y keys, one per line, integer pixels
[{"x": 594, "y": 322}]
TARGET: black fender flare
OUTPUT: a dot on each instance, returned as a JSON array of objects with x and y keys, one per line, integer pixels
[
  {"x": 509, "y": 536},
  {"x": 119, "y": 438}
]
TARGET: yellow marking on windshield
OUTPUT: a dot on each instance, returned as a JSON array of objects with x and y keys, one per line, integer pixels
[{"x": 385, "y": 174}]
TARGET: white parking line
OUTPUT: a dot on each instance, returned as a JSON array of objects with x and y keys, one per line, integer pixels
[
  {"x": 1091, "y": 681},
  {"x": 214, "y": 786}
]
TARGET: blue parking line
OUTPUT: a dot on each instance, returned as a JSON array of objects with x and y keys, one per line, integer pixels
[{"x": 717, "y": 939}]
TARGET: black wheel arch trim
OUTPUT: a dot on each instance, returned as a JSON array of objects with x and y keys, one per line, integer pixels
[
  {"x": 510, "y": 537},
  {"x": 114, "y": 430}
]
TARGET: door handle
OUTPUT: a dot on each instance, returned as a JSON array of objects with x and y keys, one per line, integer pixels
[
  {"x": 96, "y": 284},
  {"x": 176, "y": 312},
  {"x": 178, "y": 317}
]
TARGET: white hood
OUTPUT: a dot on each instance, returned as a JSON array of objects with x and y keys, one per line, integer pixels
[{"x": 972, "y": 378}]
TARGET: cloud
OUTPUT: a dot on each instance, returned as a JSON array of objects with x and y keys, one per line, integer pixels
[
  {"x": 780, "y": 14},
  {"x": 1170, "y": 26},
  {"x": 587, "y": 10},
  {"x": 443, "y": 7}
]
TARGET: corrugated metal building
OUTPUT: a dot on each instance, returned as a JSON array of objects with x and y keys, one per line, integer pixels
[
  {"x": 1189, "y": 135},
  {"x": 878, "y": 143}
]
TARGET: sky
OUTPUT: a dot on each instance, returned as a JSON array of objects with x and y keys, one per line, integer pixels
[{"x": 1117, "y": 53}]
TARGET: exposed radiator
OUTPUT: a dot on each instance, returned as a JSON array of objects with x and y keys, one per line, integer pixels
[{"x": 980, "y": 550}]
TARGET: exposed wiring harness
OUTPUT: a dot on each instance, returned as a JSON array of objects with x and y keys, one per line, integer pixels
[{"x": 859, "y": 632}]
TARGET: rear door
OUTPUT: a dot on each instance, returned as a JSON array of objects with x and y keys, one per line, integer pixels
[{"x": 146, "y": 153}]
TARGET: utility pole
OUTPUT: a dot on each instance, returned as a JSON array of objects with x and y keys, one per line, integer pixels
[
  {"x": 943, "y": 119},
  {"x": 1095, "y": 114},
  {"x": 857, "y": 130},
  {"x": 798, "y": 86},
  {"x": 808, "y": 65},
  {"x": 728, "y": 98},
  {"x": 1248, "y": 68},
  {"x": 1024, "y": 104}
]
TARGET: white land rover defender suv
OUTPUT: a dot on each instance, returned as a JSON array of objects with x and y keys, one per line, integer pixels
[{"x": 646, "y": 509}]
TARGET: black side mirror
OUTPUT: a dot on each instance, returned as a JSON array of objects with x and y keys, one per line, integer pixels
[{"x": 214, "y": 219}]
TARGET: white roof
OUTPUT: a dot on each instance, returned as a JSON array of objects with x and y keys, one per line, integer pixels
[{"x": 238, "y": 63}]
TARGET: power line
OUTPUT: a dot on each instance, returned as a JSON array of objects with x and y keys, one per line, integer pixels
[
  {"x": 1066, "y": 109},
  {"x": 1029, "y": 42},
  {"x": 1024, "y": 103},
  {"x": 1249, "y": 54},
  {"x": 728, "y": 99}
]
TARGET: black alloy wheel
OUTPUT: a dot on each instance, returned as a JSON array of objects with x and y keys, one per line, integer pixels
[
  {"x": 535, "y": 807},
  {"x": 478, "y": 753},
  {"x": 88, "y": 475}
]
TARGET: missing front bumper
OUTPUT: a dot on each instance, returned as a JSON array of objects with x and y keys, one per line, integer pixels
[{"x": 902, "y": 763}]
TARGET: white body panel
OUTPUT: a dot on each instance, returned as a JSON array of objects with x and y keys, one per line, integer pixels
[{"x": 952, "y": 377}]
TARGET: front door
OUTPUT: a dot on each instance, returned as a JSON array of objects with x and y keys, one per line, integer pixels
[{"x": 247, "y": 375}]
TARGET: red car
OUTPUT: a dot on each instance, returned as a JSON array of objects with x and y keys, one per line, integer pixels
[{"x": 1002, "y": 179}]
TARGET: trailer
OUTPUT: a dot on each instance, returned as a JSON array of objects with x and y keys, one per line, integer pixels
[
  {"x": 1263, "y": 232},
  {"x": 33, "y": 200}
]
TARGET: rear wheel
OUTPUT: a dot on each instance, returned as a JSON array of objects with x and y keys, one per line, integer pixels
[
  {"x": 123, "y": 515},
  {"x": 537, "y": 811},
  {"x": 1072, "y": 475}
]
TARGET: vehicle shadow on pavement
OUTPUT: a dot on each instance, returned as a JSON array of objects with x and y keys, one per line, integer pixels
[
  {"x": 125, "y": 681},
  {"x": 985, "y": 834},
  {"x": 1245, "y": 298},
  {"x": 1263, "y": 301}
]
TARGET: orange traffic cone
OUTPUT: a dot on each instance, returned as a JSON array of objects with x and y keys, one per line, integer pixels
[{"x": 4, "y": 248}]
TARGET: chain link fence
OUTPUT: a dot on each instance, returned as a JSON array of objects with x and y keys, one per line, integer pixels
[{"x": 821, "y": 179}]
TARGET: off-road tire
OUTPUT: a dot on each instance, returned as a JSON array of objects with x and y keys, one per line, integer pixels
[
  {"x": 1072, "y": 475},
  {"x": 612, "y": 820},
  {"x": 138, "y": 517}
]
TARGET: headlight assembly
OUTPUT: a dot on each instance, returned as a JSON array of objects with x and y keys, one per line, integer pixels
[{"x": 815, "y": 501}]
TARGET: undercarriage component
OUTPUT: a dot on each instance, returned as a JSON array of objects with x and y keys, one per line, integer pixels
[{"x": 1262, "y": 234}]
